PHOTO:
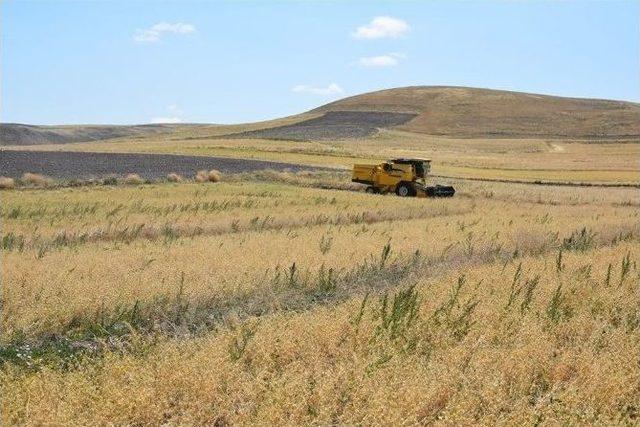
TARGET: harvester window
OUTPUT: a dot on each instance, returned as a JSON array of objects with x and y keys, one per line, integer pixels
[
  {"x": 419, "y": 167},
  {"x": 387, "y": 167}
]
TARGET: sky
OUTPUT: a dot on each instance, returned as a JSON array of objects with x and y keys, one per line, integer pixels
[{"x": 127, "y": 62}]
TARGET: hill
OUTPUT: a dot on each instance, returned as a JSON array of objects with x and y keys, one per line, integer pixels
[
  {"x": 457, "y": 112},
  {"x": 21, "y": 134},
  {"x": 330, "y": 125},
  {"x": 472, "y": 112}
]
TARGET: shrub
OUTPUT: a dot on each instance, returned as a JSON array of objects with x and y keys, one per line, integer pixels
[
  {"x": 214, "y": 175},
  {"x": 210, "y": 176},
  {"x": 74, "y": 183},
  {"x": 35, "y": 179},
  {"x": 396, "y": 318},
  {"x": 174, "y": 177},
  {"x": 6, "y": 183},
  {"x": 110, "y": 180},
  {"x": 201, "y": 176},
  {"x": 133, "y": 179},
  {"x": 580, "y": 240}
]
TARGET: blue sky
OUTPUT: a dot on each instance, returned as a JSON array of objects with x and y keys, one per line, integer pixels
[{"x": 239, "y": 61}]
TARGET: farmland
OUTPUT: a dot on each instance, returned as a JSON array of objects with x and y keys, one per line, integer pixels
[
  {"x": 274, "y": 291},
  {"x": 265, "y": 299},
  {"x": 469, "y": 132},
  {"x": 80, "y": 166},
  {"x": 563, "y": 160}
]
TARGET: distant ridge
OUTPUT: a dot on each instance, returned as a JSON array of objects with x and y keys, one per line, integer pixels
[
  {"x": 21, "y": 134},
  {"x": 471, "y": 112},
  {"x": 449, "y": 111}
]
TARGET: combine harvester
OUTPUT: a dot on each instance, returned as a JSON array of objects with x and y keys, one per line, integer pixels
[{"x": 405, "y": 177}]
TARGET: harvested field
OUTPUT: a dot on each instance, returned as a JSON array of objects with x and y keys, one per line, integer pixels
[
  {"x": 78, "y": 165},
  {"x": 332, "y": 125}
]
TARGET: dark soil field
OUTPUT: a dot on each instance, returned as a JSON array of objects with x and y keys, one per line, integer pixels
[
  {"x": 77, "y": 165},
  {"x": 332, "y": 125}
]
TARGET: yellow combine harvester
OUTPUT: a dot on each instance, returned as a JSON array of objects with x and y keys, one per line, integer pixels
[{"x": 405, "y": 177}]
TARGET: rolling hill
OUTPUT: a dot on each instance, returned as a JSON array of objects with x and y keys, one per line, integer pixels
[
  {"x": 21, "y": 134},
  {"x": 471, "y": 112},
  {"x": 457, "y": 112}
]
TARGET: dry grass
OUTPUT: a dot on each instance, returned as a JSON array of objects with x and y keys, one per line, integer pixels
[
  {"x": 35, "y": 179},
  {"x": 278, "y": 298},
  {"x": 174, "y": 177},
  {"x": 133, "y": 179},
  {"x": 511, "y": 159},
  {"x": 459, "y": 349},
  {"x": 246, "y": 303},
  {"x": 7, "y": 183}
]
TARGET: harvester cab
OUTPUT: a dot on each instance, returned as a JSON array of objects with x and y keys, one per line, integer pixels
[{"x": 405, "y": 177}]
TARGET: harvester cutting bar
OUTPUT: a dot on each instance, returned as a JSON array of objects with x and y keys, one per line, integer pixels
[{"x": 440, "y": 191}]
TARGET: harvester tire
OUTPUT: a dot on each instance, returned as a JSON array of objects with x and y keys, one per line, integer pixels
[
  {"x": 371, "y": 190},
  {"x": 405, "y": 190}
]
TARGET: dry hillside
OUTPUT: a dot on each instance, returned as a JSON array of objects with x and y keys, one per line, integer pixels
[
  {"x": 330, "y": 125},
  {"x": 471, "y": 112},
  {"x": 433, "y": 110},
  {"x": 21, "y": 134}
]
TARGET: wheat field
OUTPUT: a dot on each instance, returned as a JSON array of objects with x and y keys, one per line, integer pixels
[
  {"x": 550, "y": 160},
  {"x": 281, "y": 298}
]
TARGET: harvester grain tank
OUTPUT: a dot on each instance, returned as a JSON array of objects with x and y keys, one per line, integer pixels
[{"x": 405, "y": 177}]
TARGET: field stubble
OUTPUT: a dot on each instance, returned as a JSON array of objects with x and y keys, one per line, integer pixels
[
  {"x": 555, "y": 160},
  {"x": 249, "y": 302}
]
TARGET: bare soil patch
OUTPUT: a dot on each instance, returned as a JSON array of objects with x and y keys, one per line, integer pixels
[
  {"x": 332, "y": 125},
  {"x": 79, "y": 165}
]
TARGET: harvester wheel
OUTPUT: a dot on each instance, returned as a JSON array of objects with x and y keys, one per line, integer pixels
[
  {"x": 371, "y": 190},
  {"x": 405, "y": 190}
]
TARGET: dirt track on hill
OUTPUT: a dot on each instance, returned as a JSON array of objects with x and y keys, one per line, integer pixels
[
  {"x": 332, "y": 125},
  {"x": 80, "y": 165}
]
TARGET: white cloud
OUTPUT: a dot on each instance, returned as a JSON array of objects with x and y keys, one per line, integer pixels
[
  {"x": 332, "y": 89},
  {"x": 382, "y": 27},
  {"x": 389, "y": 60},
  {"x": 170, "y": 120},
  {"x": 155, "y": 32},
  {"x": 174, "y": 115}
]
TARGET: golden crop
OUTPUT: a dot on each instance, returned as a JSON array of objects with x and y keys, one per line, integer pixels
[
  {"x": 248, "y": 302},
  {"x": 512, "y": 159}
]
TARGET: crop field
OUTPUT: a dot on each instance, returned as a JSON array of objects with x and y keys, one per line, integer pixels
[
  {"x": 530, "y": 160},
  {"x": 290, "y": 298},
  {"x": 386, "y": 246}
]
